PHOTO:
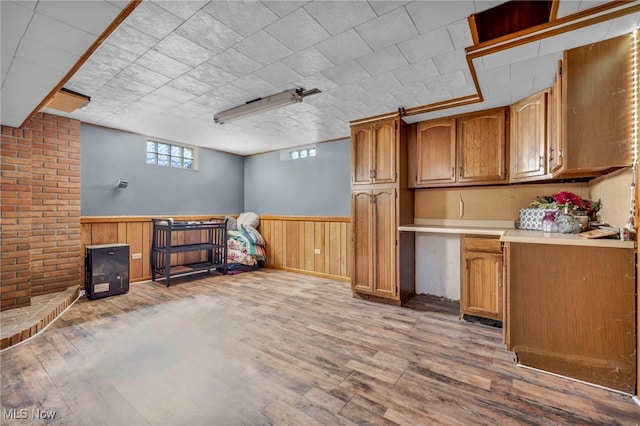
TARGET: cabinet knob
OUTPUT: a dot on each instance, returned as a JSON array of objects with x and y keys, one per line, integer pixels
[{"x": 550, "y": 154}]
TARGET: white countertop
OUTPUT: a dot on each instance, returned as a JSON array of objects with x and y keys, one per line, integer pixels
[{"x": 509, "y": 234}]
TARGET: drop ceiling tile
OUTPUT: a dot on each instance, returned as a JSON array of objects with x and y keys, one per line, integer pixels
[
  {"x": 382, "y": 61},
  {"x": 339, "y": 16},
  {"x": 308, "y": 62},
  {"x": 208, "y": 32},
  {"x": 297, "y": 31},
  {"x": 177, "y": 47},
  {"x": 278, "y": 74},
  {"x": 623, "y": 25},
  {"x": 153, "y": 20},
  {"x": 182, "y": 9},
  {"x": 232, "y": 94},
  {"x": 244, "y": 17},
  {"x": 46, "y": 56},
  {"x": 452, "y": 61},
  {"x": 177, "y": 95},
  {"x": 14, "y": 20},
  {"x": 283, "y": 8},
  {"x": 317, "y": 81},
  {"x": 160, "y": 103},
  {"x": 574, "y": 39},
  {"x": 191, "y": 85},
  {"x": 59, "y": 35},
  {"x": 235, "y": 62},
  {"x": 125, "y": 83},
  {"x": 254, "y": 86},
  {"x": 427, "y": 45},
  {"x": 131, "y": 39},
  {"x": 138, "y": 73},
  {"x": 383, "y": 6},
  {"x": 430, "y": 15},
  {"x": 390, "y": 28},
  {"x": 211, "y": 75},
  {"x": 162, "y": 64},
  {"x": 344, "y": 47},
  {"x": 460, "y": 34},
  {"x": 517, "y": 54},
  {"x": 383, "y": 83},
  {"x": 415, "y": 73},
  {"x": 89, "y": 16},
  {"x": 530, "y": 68},
  {"x": 103, "y": 65},
  {"x": 263, "y": 48},
  {"x": 346, "y": 73}
]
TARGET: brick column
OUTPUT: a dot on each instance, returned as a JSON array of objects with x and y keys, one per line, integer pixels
[{"x": 40, "y": 249}]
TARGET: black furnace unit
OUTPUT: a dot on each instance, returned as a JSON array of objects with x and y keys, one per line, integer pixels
[{"x": 106, "y": 270}]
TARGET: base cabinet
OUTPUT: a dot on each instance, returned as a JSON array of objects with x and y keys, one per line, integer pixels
[
  {"x": 571, "y": 310},
  {"x": 481, "y": 277}
]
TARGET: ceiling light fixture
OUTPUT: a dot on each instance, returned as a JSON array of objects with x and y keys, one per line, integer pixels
[{"x": 259, "y": 105}]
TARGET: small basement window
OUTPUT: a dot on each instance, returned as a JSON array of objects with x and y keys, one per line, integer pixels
[
  {"x": 171, "y": 155},
  {"x": 298, "y": 153}
]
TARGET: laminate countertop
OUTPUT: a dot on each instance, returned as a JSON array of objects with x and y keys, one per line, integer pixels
[{"x": 509, "y": 234}]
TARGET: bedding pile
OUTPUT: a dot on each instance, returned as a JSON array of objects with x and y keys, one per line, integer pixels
[{"x": 245, "y": 245}]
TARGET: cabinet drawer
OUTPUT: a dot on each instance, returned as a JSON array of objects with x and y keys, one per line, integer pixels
[{"x": 489, "y": 245}]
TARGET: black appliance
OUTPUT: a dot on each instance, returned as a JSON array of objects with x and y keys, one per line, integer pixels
[{"x": 106, "y": 270}]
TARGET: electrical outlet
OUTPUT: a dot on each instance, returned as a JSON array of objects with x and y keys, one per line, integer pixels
[
  {"x": 316, "y": 251},
  {"x": 136, "y": 256}
]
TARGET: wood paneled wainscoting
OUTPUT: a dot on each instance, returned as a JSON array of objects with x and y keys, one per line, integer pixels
[{"x": 315, "y": 245}]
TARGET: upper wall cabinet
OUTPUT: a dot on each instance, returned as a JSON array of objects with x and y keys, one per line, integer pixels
[
  {"x": 529, "y": 136},
  {"x": 469, "y": 149},
  {"x": 597, "y": 108},
  {"x": 373, "y": 153}
]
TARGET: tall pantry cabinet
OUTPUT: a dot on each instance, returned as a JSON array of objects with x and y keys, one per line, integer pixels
[{"x": 382, "y": 257}]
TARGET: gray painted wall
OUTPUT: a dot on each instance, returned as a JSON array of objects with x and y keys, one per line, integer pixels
[
  {"x": 107, "y": 155},
  {"x": 314, "y": 186}
]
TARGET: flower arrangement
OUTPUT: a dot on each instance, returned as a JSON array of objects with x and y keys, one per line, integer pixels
[{"x": 568, "y": 202}]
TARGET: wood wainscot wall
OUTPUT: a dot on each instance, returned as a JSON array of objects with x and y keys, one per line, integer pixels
[{"x": 305, "y": 244}]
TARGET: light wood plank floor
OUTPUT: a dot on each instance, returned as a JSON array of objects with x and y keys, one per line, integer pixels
[{"x": 272, "y": 347}]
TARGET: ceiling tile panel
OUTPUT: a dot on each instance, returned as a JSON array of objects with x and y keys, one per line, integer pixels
[
  {"x": 430, "y": 15},
  {"x": 254, "y": 86},
  {"x": 383, "y": 83},
  {"x": 517, "y": 54},
  {"x": 450, "y": 62},
  {"x": 263, "y": 48},
  {"x": 318, "y": 81},
  {"x": 337, "y": 18},
  {"x": 191, "y": 85},
  {"x": 104, "y": 65},
  {"x": 344, "y": 47},
  {"x": 297, "y": 31},
  {"x": 46, "y": 55},
  {"x": 416, "y": 72},
  {"x": 383, "y": 6},
  {"x": 163, "y": 64},
  {"x": 244, "y": 17},
  {"x": 208, "y": 32},
  {"x": 177, "y": 47},
  {"x": 74, "y": 13},
  {"x": 382, "y": 61},
  {"x": 177, "y": 95},
  {"x": 460, "y": 34},
  {"x": 427, "y": 45},
  {"x": 235, "y": 62},
  {"x": 132, "y": 39},
  {"x": 211, "y": 75},
  {"x": 183, "y": 9},
  {"x": 136, "y": 72},
  {"x": 284, "y": 7},
  {"x": 278, "y": 74},
  {"x": 390, "y": 28},
  {"x": 153, "y": 20},
  {"x": 124, "y": 82},
  {"x": 346, "y": 73},
  {"x": 58, "y": 35},
  {"x": 14, "y": 20},
  {"x": 308, "y": 62}
]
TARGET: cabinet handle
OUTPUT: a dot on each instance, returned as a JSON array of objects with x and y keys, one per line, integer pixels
[
  {"x": 453, "y": 172},
  {"x": 542, "y": 161},
  {"x": 461, "y": 207},
  {"x": 550, "y": 154},
  {"x": 560, "y": 154}
]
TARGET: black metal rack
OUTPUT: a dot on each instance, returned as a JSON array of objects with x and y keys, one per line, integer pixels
[{"x": 207, "y": 237}]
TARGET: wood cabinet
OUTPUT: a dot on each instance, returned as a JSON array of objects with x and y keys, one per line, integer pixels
[
  {"x": 555, "y": 154},
  {"x": 571, "y": 310},
  {"x": 481, "y": 290},
  {"x": 373, "y": 153},
  {"x": 469, "y": 149},
  {"x": 382, "y": 258},
  {"x": 597, "y": 108},
  {"x": 529, "y": 136}
]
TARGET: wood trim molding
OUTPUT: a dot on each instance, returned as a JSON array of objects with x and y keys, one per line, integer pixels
[
  {"x": 117, "y": 219},
  {"x": 389, "y": 115},
  {"x": 307, "y": 218},
  {"x": 313, "y": 273},
  {"x": 124, "y": 13}
]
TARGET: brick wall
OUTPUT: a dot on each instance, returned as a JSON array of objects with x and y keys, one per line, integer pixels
[{"x": 40, "y": 189}]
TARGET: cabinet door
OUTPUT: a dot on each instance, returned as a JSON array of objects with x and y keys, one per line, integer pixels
[
  {"x": 384, "y": 137},
  {"x": 362, "y": 241},
  {"x": 361, "y": 154},
  {"x": 481, "y": 293},
  {"x": 528, "y": 140},
  {"x": 436, "y": 152},
  {"x": 385, "y": 230},
  {"x": 482, "y": 147},
  {"x": 555, "y": 153}
]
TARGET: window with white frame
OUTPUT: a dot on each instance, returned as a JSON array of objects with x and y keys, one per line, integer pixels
[
  {"x": 171, "y": 155},
  {"x": 298, "y": 153}
]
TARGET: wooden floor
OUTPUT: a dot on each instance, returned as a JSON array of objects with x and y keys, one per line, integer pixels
[{"x": 272, "y": 347}]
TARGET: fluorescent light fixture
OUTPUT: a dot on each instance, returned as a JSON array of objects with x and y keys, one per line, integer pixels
[{"x": 259, "y": 105}]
